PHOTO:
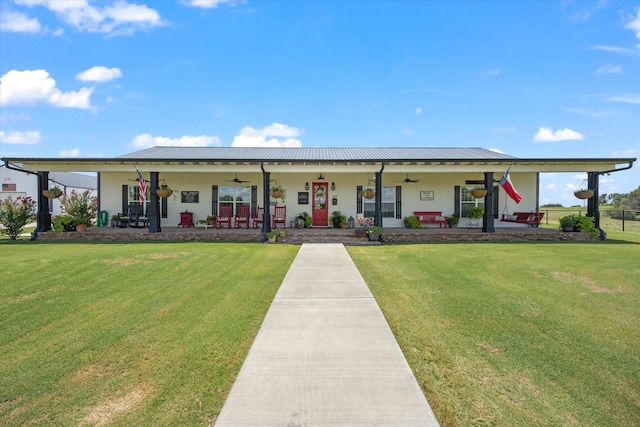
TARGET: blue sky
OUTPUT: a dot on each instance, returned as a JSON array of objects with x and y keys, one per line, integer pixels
[{"x": 530, "y": 79}]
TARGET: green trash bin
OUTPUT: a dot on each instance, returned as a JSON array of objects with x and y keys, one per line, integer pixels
[{"x": 103, "y": 219}]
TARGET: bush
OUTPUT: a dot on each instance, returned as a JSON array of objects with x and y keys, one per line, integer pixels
[
  {"x": 81, "y": 206},
  {"x": 15, "y": 214}
]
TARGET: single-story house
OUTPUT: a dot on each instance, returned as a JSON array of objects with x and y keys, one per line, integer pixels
[{"x": 317, "y": 181}]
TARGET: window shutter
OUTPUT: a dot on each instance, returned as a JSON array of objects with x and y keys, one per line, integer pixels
[
  {"x": 125, "y": 199},
  {"x": 214, "y": 199},
  {"x": 496, "y": 204},
  {"x": 398, "y": 202},
  {"x": 359, "y": 199},
  {"x": 164, "y": 207},
  {"x": 254, "y": 199},
  {"x": 456, "y": 200}
]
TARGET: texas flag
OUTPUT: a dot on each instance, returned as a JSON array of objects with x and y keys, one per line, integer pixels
[{"x": 505, "y": 183}]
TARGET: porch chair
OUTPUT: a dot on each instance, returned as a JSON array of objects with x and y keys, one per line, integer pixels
[
  {"x": 258, "y": 218},
  {"x": 280, "y": 216},
  {"x": 224, "y": 216},
  {"x": 243, "y": 216},
  {"x": 134, "y": 211}
]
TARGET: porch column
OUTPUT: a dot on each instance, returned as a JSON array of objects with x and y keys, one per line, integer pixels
[
  {"x": 266, "y": 216},
  {"x": 154, "y": 205},
  {"x": 593, "y": 209},
  {"x": 377, "y": 217},
  {"x": 488, "y": 216},
  {"x": 43, "y": 213}
]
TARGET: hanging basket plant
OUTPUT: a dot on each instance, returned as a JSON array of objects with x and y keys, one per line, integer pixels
[
  {"x": 278, "y": 192},
  {"x": 54, "y": 193},
  {"x": 479, "y": 192},
  {"x": 163, "y": 190},
  {"x": 368, "y": 192},
  {"x": 583, "y": 194}
]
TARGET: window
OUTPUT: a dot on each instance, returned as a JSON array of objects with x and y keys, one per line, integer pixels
[
  {"x": 234, "y": 196},
  {"x": 134, "y": 196},
  {"x": 388, "y": 204},
  {"x": 467, "y": 201}
]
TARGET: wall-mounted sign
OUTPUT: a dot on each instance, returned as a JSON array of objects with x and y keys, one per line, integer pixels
[
  {"x": 303, "y": 197},
  {"x": 427, "y": 195},
  {"x": 189, "y": 196}
]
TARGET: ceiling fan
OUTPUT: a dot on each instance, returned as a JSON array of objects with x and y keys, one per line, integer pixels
[
  {"x": 407, "y": 179},
  {"x": 236, "y": 180}
]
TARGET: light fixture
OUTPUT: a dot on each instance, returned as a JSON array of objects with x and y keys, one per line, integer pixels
[
  {"x": 320, "y": 178},
  {"x": 306, "y": 185},
  {"x": 333, "y": 186}
]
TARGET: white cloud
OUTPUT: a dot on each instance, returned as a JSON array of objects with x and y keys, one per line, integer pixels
[
  {"x": 418, "y": 111},
  {"x": 547, "y": 135},
  {"x": 631, "y": 98},
  {"x": 614, "y": 49},
  {"x": 30, "y": 137},
  {"x": 495, "y": 150},
  {"x": 406, "y": 131},
  {"x": 274, "y": 135},
  {"x": 99, "y": 74},
  {"x": 147, "y": 140},
  {"x": 609, "y": 69},
  {"x": 634, "y": 24},
  {"x": 73, "y": 152},
  {"x": 115, "y": 17},
  {"x": 16, "y": 22},
  {"x": 207, "y": 4},
  {"x": 31, "y": 87},
  {"x": 12, "y": 118},
  {"x": 493, "y": 72}
]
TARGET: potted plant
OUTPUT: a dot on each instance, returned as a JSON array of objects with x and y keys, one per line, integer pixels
[
  {"x": 476, "y": 212},
  {"x": 113, "y": 219},
  {"x": 374, "y": 233},
  {"x": 63, "y": 223},
  {"x": 567, "y": 223},
  {"x": 411, "y": 221},
  {"x": 211, "y": 220},
  {"x": 343, "y": 221},
  {"x": 52, "y": 193},
  {"x": 272, "y": 236},
  {"x": 368, "y": 191},
  {"x": 303, "y": 220},
  {"x": 278, "y": 192},
  {"x": 453, "y": 220},
  {"x": 335, "y": 219},
  {"x": 479, "y": 191}
]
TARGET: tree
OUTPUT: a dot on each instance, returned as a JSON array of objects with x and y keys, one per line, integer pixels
[{"x": 15, "y": 214}]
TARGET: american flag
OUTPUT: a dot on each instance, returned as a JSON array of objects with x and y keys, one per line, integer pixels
[{"x": 142, "y": 184}]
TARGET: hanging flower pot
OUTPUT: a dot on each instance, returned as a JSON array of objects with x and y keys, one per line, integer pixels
[
  {"x": 164, "y": 191},
  {"x": 278, "y": 192},
  {"x": 479, "y": 192},
  {"x": 54, "y": 193},
  {"x": 583, "y": 194},
  {"x": 368, "y": 192}
]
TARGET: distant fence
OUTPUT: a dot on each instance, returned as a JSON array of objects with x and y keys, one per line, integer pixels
[{"x": 613, "y": 220}]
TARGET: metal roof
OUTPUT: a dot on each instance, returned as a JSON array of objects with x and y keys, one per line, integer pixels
[{"x": 313, "y": 154}]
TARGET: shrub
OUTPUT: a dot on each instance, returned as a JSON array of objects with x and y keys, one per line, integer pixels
[
  {"x": 81, "y": 206},
  {"x": 15, "y": 214}
]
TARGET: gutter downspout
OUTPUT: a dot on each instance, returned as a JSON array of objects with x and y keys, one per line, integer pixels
[
  {"x": 596, "y": 182},
  {"x": 266, "y": 215},
  {"x": 377, "y": 221}
]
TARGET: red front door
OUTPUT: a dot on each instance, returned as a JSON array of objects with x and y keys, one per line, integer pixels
[{"x": 320, "y": 208}]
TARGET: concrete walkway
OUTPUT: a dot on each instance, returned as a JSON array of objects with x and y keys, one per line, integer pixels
[{"x": 325, "y": 355}]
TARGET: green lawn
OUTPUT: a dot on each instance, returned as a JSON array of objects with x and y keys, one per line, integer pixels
[
  {"x": 522, "y": 334},
  {"x": 140, "y": 334},
  {"x": 155, "y": 333}
]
